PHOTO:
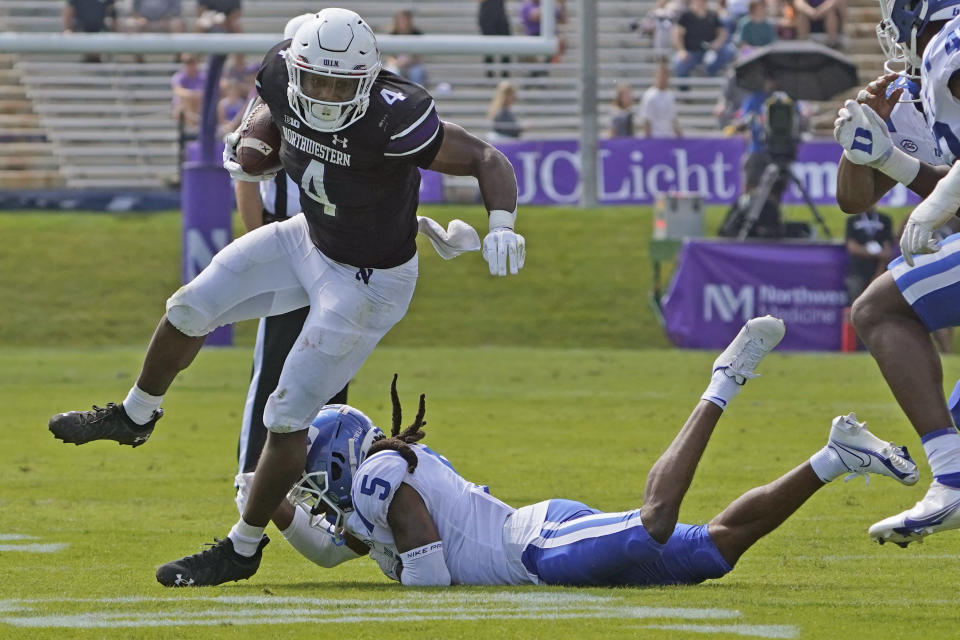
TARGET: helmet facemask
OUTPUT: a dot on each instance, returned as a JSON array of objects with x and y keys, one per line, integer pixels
[{"x": 324, "y": 493}]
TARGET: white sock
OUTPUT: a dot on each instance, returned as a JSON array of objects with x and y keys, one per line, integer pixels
[
  {"x": 943, "y": 451},
  {"x": 721, "y": 390},
  {"x": 245, "y": 538},
  {"x": 140, "y": 405},
  {"x": 827, "y": 464}
]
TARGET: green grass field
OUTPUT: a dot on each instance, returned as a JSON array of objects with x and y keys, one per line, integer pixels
[{"x": 555, "y": 384}]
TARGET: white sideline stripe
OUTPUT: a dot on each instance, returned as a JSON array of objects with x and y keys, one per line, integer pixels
[
  {"x": 286, "y": 616},
  {"x": 17, "y": 536},
  {"x": 413, "y": 606},
  {"x": 35, "y": 547},
  {"x": 753, "y": 630}
]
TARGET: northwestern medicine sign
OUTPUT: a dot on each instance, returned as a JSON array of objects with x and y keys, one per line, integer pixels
[{"x": 637, "y": 170}]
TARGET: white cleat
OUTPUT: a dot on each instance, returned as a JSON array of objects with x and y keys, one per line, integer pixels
[
  {"x": 938, "y": 511},
  {"x": 864, "y": 453},
  {"x": 756, "y": 339}
]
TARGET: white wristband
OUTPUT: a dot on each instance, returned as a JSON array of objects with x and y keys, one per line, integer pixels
[
  {"x": 500, "y": 218},
  {"x": 900, "y": 166}
]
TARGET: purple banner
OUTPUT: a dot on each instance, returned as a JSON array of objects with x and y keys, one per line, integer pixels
[
  {"x": 431, "y": 187},
  {"x": 718, "y": 285},
  {"x": 636, "y": 170},
  {"x": 207, "y": 203}
]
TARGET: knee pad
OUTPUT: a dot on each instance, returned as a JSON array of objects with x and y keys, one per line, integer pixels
[{"x": 186, "y": 315}]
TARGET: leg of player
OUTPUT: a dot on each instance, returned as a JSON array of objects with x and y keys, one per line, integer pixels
[
  {"x": 132, "y": 422},
  {"x": 894, "y": 317},
  {"x": 672, "y": 473},
  {"x": 850, "y": 449},
  {"x": 253, "y": 276},
  {"x": 907, "y": 357}
]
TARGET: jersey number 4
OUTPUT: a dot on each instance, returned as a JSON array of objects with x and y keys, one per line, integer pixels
[{"x": 312, "y": 184}]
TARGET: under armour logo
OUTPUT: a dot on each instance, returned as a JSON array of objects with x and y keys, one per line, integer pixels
[
  {"x": 364, "y": 274},
  {"x": 862, "y": 140},
  {"x": 181, "y": 582},
  {"x": 340, "y": 141}
]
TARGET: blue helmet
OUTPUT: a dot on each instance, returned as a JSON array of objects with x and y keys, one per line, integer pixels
[
  {"x": 902, "y": 23},
  {"x": 337, "y": 441}
]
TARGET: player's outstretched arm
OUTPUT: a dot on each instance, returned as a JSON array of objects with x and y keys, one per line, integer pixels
[
  {"x": 417, "y": 540},
  {"x": 462, "y": 154}
]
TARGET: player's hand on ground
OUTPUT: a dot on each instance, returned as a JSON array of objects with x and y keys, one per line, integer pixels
[
  {"x": 232, "y": 165},
  {"x": 863, "y": 134},
  {"x": 501, "y": 247},
  {"x": 874, "y": 95}
]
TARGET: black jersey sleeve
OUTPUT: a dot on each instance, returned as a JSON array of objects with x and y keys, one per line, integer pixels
[
  {"x": 271, "y": 80},
  {"x": 416, "y": 132}
]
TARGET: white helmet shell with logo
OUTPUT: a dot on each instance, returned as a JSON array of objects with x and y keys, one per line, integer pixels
[{"x": 332, "y": 63}]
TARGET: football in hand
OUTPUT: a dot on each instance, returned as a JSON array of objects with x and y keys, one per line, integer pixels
[{"x": 258, "y": 150}]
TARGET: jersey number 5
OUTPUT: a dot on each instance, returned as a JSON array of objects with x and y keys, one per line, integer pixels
[
  {"x": 369, "y": 486},
  {"x": 312, "y": 184}
]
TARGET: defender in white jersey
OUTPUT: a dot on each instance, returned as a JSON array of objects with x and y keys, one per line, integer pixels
[
  {"x": 919, "y": 294},
  {"x": 426, "y": 525}
]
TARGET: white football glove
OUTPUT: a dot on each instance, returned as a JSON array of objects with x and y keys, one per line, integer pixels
[
  {"x": 866, "y": 141},
  {"x": 502, "y": 243},
  {"x": 231, "y": 164},
  {"x": 389, "y": 563},
  {"x": 243, "y": 481},
  {"x": 935, "y": 210},
  {"x": 862, "y": 134}
]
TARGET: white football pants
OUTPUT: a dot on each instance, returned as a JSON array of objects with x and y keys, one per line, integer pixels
[{"x": 276, "y": 269}]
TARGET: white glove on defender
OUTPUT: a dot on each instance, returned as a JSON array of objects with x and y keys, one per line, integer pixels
[
  {"x": 231, "y": 164},
  {"x": 502, "y": 243},
  {"x": 866, "y": 141},
  {"x": 935, "y": 210},
  {"x": 243, "y": 481}
]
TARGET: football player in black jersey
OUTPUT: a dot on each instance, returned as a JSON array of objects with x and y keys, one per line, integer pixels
[{"x": 353, "y": 139}]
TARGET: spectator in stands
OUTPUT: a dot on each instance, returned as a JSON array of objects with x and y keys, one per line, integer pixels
[
  {"x": 493, "y": 21},
  {"x": 89, "y": 16},
  {"x": 821, "y": 16},
  {"x": 504, "y": 121},
  {"x": 231, "y": 106},
  {"x": 786, "y": 24},
  {"x": 156, "y": 16},
  {"x": 658, "y": 107},
  {"x": 621, "y": 121},
  {"x": 187, "y": 86},
  {"x": 869, "y": 240},
  {"x": 219, "y": 15},
  {"x": 530, "y": 17},
  {"x": 754, "y": 29},
  {"x": 731, "y": 12},
  {"x": 410, "y": 67},
  {"x": 700, "y": 39}
]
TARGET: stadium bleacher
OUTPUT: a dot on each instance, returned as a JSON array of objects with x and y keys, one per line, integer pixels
[{"x": 68, "y": 123}]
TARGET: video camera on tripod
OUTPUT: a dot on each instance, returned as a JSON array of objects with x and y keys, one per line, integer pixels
[
  {"x": 756, "y": 213},
  {"x": 781, "y": 127}
]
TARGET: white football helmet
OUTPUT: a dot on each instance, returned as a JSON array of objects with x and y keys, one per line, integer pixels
[
  {"x": 294, "y": 23},
  {"x": 331, "y": 65}
]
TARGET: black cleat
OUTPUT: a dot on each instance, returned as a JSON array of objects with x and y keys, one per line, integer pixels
[
  {"x": 214, "y": 565},
  {"x": 102, "y": 423}
]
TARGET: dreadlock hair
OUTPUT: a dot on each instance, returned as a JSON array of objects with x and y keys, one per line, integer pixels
[{"x": 400, "y": 441}]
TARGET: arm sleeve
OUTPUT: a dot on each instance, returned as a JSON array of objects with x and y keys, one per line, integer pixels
[
  {"x": 418, "y": 139},
  {"x": 315, "y": 545},
  {"x": 425, "y": 566}
]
